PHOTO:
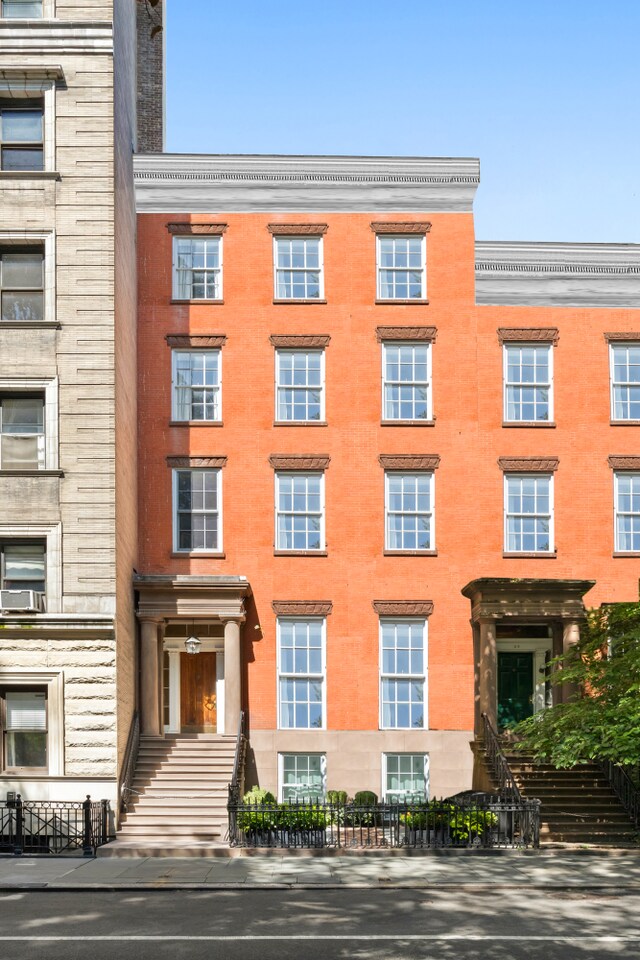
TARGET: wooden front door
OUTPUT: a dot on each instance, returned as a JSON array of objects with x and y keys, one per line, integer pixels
[
  {"x": 198, "y": 693},
  {"x": 515, "y": 687}
]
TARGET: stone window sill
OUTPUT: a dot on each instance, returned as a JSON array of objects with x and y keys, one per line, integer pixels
[
  {"x": 547, "y": 555},
  {"x": 298, "y": 301},
  {"x": 626, "y": 553},
  {"x": 408, "y": 423},
  {"x": 31, "y": 473},
  {"x": 624, "y": 423},
  {"x": 300, "y": 553},
  {"x": 410, "y": 553},
  {"x": 194, "y": 554},
  {"x": 390, "y": 303},
  {"x": 538, "y": 424},
  {"x": 210, "y": 302},
  {"x": 30, "y": 325},
  {"x": 196, "y": 423},
  {"x": 30, "y": 175},
  {"x": 300, "y": 423}
]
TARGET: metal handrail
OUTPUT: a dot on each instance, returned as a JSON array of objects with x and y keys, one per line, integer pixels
[
  {"x": 129, "y": 765},
  {"x": 498, "y": 763},
  {"x": 237, "y": 777},
  {"x": 624, "y": 788}
]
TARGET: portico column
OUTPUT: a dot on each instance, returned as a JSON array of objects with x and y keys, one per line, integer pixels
[
  {"x": 570, "y": 636},
  {"x": 488, "y": 667},
  {"x": 232, "y": 677},
  {"x": 150, "y": 678}
]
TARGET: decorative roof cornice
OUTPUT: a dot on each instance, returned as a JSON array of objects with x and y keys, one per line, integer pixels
[
  {"x": 558, "y": 274},
  {"x": 184, "y": 182}
]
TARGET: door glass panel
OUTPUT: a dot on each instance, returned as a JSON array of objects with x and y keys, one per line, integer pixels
[{"x": 515, "y": 687}]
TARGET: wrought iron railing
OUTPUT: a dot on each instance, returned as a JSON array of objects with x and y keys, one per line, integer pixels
[
  {"x": 236, "y": 787},
  {"x": 129, "y": 765},
  {"x": 498, "y": 763},
  {"x": 437, "y": 824},
  {"x": 47, "y": 826},
  {"x": 625, "y": 789}
]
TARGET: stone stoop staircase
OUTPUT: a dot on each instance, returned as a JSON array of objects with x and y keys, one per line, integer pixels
[
  {"x": 578, "y": 805},
  {"x": 178, "y": 805}
]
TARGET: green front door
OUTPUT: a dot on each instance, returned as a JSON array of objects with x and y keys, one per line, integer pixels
[{"x": 515, "y": 688}]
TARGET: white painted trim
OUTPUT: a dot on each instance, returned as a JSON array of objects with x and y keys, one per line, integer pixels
[
  {"x": 37, "y": 238},
  {"x": 616, "y": 479},
  {"x": 423, "y": 251},
  {"x": 301, "y": 753},
  {"x": 52, "y": 534},
  {"x": 50, "y": 388},
  {"x": 174, "y": 266},
  {"x": 432, "y": 501},
  {"x": 407, "y": 343},
  {"x": 216, "y": 470},
  {"x": 524, "y": 475},
  {"x": 409, "y": 676},
  {"x": 275, "y": 240},
  {"x": 300, "y": 473},
  {"x": 174, "y": 398},
  {"x": 399, "y": 753},
  {"x": 54, "y": 681},
  {"x": 505, "y": 352},
  {"x": 539, "y": 646},
  {"x": 612, "y": 346},
  {"x": 302, "y": 676},
  {"x": 304, "y": 350}
]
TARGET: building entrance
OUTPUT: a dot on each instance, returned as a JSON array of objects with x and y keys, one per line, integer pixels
[
  {"x": 515, "y": 687},
  {"x": 198, "y": 697}
]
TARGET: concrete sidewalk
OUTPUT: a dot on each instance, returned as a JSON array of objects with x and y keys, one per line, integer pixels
[{"x": 512, "y": 869}]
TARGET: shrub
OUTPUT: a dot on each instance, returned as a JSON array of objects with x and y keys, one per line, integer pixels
[
  {"x": 258, "y": 795},
  {"x": 337, "y": 797},
  {"x": 300, "y": 817},
  {"x": 365, "y": 798}
]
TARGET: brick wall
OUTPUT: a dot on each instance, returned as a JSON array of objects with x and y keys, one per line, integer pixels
[{"x": 150, "y": 20}]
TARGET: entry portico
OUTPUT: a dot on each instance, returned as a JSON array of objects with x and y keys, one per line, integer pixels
[
  {"x": 518, "y": 625},
  {"x": 169, "y": 609}
]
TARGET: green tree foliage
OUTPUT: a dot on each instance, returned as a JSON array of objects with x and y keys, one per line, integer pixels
[{"x": 601, "y": 721}]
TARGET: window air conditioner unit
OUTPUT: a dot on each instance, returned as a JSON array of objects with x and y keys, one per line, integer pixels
[{"x": 22, "y": 601}]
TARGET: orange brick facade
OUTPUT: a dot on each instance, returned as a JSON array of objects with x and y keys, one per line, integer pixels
[{"x": 467, "y": 435}]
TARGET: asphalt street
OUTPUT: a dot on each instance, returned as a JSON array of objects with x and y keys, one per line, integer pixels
[{"x": 395, "y": 924}]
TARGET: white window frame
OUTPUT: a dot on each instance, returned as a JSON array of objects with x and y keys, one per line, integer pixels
[
  {"x": 34, "y": 83},
  {"x": 175, "y": 407},
  {"x": 386, "y": 344},
  {"x": 430, "y": 474},
  {"x": 50, "y": 390},
  {"x": 423, "y": 267},
  {"x": 38, "y": 240},
  {"x": 51, "y": 534},
  {"x": 536, "y": 476},
  {"x": 217, "y": 471},
  {"x": 299, "y": 753},
  {"x": 298, "y": 474},
  {"x": 409, "y": 677},
  {"x": 617, "y": 513},
  {"x": 320, "y": 239},
  {"x": 175, "y": 293},
  {"x": 54, "y": 683},
  {"x": 281, "y": 387},
  {"x": 510, "y": 345},
  {"x": 321, "y": 677},
  {"x": 613, "y": 383},
  {"x": 384, "y": 793}
]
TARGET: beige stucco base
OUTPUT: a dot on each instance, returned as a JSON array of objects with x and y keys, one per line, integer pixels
[{"x": 354, "y": 757}]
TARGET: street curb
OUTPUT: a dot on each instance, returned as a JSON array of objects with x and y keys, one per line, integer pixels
[{"x": 381, "y": 884}]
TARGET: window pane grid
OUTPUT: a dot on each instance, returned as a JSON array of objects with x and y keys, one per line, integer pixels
[
  {"x": 303, "y": 777},
  {"x": 627, "y": 511},
  {"x": 405, "y": 775},
  {"x": 299, "y": 512},
  {"x": 625, "y": 363},
  {"x": 198, "y": 268},
  {"x": 22, "y": 286},
  {"x": 527, "y": 383},
  {"x": 401, "y": 268},
  {"x": 403, "y": 674},
  {"x": 409, "y": 511},
  {"x": 21, "y": 135},
  {"x": 197, "y": 385},
  {"x": 528, "y": 514},
  {"x": 301, "y": 669},
  {"x": 406, "y": 382},
  {"x": 298, "y": 268},
  {"x": 299, "y": 385},
  {"x": 197, "y": 510},
  {"x": 22, "y": 444}
]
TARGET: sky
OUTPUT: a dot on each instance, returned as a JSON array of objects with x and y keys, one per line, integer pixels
[{"x": 546, "y": 94}]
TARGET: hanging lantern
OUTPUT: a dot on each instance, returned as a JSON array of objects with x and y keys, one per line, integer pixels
[{"x": 192, "y": 644}]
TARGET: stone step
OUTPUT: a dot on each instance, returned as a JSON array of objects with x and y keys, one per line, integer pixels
[
  {"x": 178, "y": 777},
  {"x": 197, "y": 803},
  {"x": 168, "y": 819},
  {"x": 185, "y": 763},
  {"x": 161, "y": 831},
  {"x": 569, "y": 816}
]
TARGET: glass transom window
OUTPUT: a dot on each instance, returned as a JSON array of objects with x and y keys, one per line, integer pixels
[
  {"x": 21, "y": 134},
  {"x": 302, "y": 777},
  {"x": 528, "y": 383},
  {"x": 406, "y": 777},
  {"x": 298, "y": 268},
  {"x": 301, "y": 668},
  {"x": 196, "y": 385},
  {"x": 401, "y": 268},
  {"x": 300, "y": 385},
  {"x": 406, "y": 381},
  {"x": 22, "y": 285},
  {"x": 625, "y": 381},
  {"x": 409, "y": 511},
  {"x": 22, "y": 444},
  {"x": 197, "y": 268},
  {"x": 299, "y": 511},
  {"x": 403, "y": 674},
  {"x": 627, "y": 512},
  {"x": 528, "y": 513},
  {"x": 197, "y": 510}
]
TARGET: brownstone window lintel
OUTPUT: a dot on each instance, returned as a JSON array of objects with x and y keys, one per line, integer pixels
[
  {"x": 528, "y": 335},
  {"x": 624, "y": 463},
  {"x": 401, "y": 226},
  {"x": 403, "y": 608},
  {"x": 624, "y": 337},
  {"x": 417, "y": 461},
  {"x": 297, "y": 229},
  {"x": 298, "y": 341},
  {"x": 302, "y": 608},
  {"x": 406, "y": 333},
  {"x": 203, "y": 340},
  {"x": 196, "y": 462},
  {"x": 528, "y": 464},
  {"x": 197, "y": 229},
  {"x": 299, "y": 461}
]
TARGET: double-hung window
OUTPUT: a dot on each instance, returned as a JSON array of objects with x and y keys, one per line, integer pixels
[
  {"x": 302, "y": 777},
  {"x": 196, "y": 385},
  {"x": 528, "y": 379},
  {"x": 528, "y": 513},
  {"x": 298, "y": 268},
  {"x": 409, "y": 511},
  {"x": 300, "y": 511},
  {"x": 402, "y": 269},
  {"x": 21, "y": 9},
  {"x": 627, "y": 512},
  {"x": 22, "y": 441},
  {"x": 301, "y": 674},
  {"x": 299, "y": 386},
  {"x": 22, "y": 575},
  {"x": 21, "y": 284},
  {"x": 625, "y": 381},
  {"x": 23, "y": 721},
  {"x": 197, "y": 510},
  {"x": 403, "y": 674},
  {"x": 406, "y": 381},
  {"x": 21, "y": 134},
  {"x": 405, "y": 777},
  {"x": 197, "y": 268}
]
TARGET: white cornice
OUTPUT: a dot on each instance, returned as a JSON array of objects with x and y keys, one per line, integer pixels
[
  {"x": 33, "y": 37},
  {"x": 558, "y": 274},
  {"x": 227, "y": 183}
]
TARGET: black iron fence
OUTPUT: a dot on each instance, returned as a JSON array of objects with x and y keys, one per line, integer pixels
[
  {"x": 626, "y": 789},
  {"x": 440, "y": 823},
  {"x": 48, "y": 826}
]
